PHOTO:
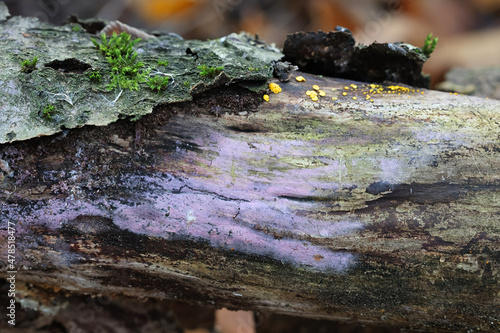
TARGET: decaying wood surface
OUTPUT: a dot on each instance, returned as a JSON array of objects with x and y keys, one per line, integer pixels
[{"x": 383, "y": 212}]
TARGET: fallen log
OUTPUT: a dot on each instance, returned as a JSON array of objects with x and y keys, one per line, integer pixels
[{"x": 380, "y": 212}]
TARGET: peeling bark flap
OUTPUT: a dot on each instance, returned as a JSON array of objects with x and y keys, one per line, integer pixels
[
  {"x": 335, "y": 54},
  {"x": 66, "y": 57}
]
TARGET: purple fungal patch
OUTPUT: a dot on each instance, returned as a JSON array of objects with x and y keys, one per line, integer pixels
[{"x": 176, "y": 207}]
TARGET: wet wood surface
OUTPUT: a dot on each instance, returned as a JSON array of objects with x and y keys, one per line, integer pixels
[{"x": 383, "y": 212}]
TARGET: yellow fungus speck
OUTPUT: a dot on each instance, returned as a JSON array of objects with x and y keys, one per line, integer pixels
[
  {"x": 346, "y": 88},
  {"x": 344, "y": 93},
  {"x": 266, "y": 98},
  {"x": 308, "y": 93},
  {"x": 371, "y": 100},
  {"x": 315, "y": 87},
  {"x": 314, "y": 98},
  {"x": 334, "y": 98},
  {"x": 354, "y": 86},
  {"x": 322, "y": 93},
  {"x": 354, "y": 98},
  {"x": 300, "y": 79},
  {"x": 274, "y": 88},
  {"x": 422, "y": 92}
]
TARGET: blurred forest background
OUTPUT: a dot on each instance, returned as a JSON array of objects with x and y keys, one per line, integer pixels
[{"x": 468, "y": 30}]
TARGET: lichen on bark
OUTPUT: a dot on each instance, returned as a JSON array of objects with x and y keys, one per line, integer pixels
[{"x": 65, "y": 55}]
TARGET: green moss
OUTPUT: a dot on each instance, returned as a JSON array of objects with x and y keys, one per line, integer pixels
[
  {"x": 28, "y": 66},
  {"x": 126, "y": 71},
  {"x": 210, "y": 72},
  {"x": 158, "y": 83},
  {"x": 429, "y": 45},
  {"x": 163, "y": 63},
  {"x": 94, "y": 76},
  {"x": 48, "y": 111}
]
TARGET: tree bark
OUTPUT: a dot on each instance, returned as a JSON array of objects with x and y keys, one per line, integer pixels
[{"x": 383, "y": 212}]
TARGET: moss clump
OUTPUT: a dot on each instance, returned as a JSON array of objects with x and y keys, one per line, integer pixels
[
  {"x": 94, "y": 76},
  {"x": 429, "y": 45},
  {"x": 210, "y": 72},
  {"x": 126, "y": 71},
  {"x": 48, "y": 111},
  {"x": 158, "y": 83},
  {"x": 28, "y": 66},
  {"x": 163, "y": 63}
]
